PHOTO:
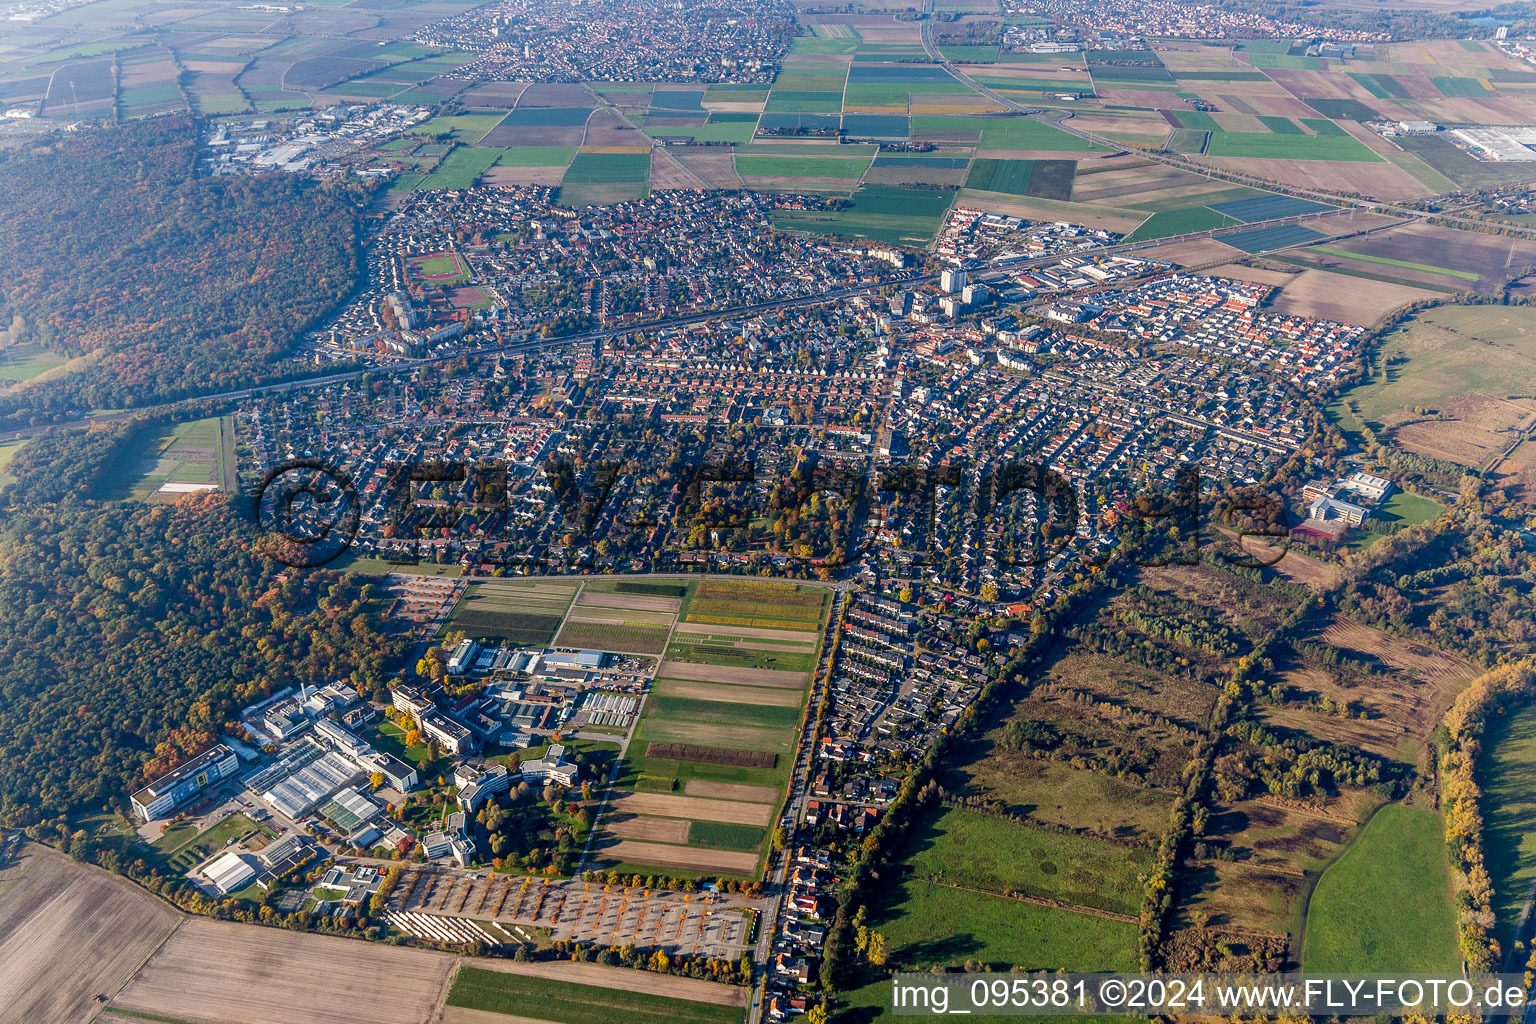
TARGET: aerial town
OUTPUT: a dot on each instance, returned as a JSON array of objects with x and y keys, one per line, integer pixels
[{"x": 737, "y": 512}]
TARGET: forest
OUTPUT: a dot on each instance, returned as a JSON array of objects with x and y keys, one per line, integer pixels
[
  {"x": 158, "y": 282},
  {"x": 136, "y": 632}
]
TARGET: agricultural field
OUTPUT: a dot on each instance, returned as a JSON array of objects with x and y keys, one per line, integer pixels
[
  {"x": 706, "y": 770},
  {"x": 562, "y": 1001},
  {"x": 1386, "y": 905},
  {"x": 69, "y": 932},
  {"x": 597, "y": 178},
  {"x": 885, "y": 213},
  {"x": 513, "y": 611},
  {"x": 1451, "y": 384},
  {"x": 236, "y": 973}
]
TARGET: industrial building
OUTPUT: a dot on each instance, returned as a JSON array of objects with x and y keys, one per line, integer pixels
[
  {"x": 229, "y": 873},
  {"x": 183, "y": 782}
]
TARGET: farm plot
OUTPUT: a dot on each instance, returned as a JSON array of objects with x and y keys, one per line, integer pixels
[
  {"x": 236, "y": 974},
  {"x": 512, "y": 612},
  {"x": 67, "y": 933},
  {"x": 1048, "y": 179},
  {"x": 622, "y": 637},
  {"x": 1485, "y": 261},
  {"x": 885, "y": 213},
  {"x": 562, "y": 1001},
  {"x": 696, "y": 809},
  {"x": 603, "y": 178}
]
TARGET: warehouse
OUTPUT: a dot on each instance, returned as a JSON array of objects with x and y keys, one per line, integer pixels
[{"x": 229, "y": 873}]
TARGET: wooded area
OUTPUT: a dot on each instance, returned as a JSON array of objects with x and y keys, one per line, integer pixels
[{"x": 170, "y": 283}]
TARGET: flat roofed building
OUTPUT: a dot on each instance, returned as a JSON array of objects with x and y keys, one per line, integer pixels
[
  {"x": 454, "y": 737},
  {"x": 230, "y": 872},
  {"x": 181, "y": 783},
  {"x": 463, "y": 657},
  {"x": 411, "y": 701},
  {"x": 478, "y": 783},
  {"x": 395, "y": 771},
  {"x": 552, "y": 767}
]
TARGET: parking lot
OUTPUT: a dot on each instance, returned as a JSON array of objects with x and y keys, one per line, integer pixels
[{"x": 691, "y": 923}]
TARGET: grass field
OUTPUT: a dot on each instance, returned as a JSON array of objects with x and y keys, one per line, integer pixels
[
  {"x": 1027, "y": 133},
  {"x": 928, "y": 925},
  {"x": 599, "y": 178},
  {"x": 1507, "y": 772},
  {"x": 460, "y": 169},
  {"x": 972, "y": 849},
  {"x": 886, "y": 213},
  {"x": 1386, "y": 904},
  {"x": 1179, "y": 222},
  {"x": 467, "y": 128},
  {"x": 8, "y": 451},
  {"x": 26, "y": 361},
  {"x": 563, "y": 1002},
  {"x": 536, "y": 156}
]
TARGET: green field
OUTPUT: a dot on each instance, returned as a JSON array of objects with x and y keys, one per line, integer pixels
[
  {"x": 1509, "y": 807},
  {"x": 536, "y": 156},
  {"x": 460, "y": 169},
  {"x": 801, "y": 167},
  {"x": 468, "y": 128},
  {"x": 564, "y": 1002},
  {"x": 1028, "y": 133},
  {"x": 719, "y": 712},
  {"x": 1179, "y": 222},
  {"x": 887, "y": 213},
  {"x": 183, "y": 848},
  {"x": 1270, "y": 146},
  {"x": 440, "y": 266},
  {"x": 191, "y": 453},
  {"x": 513, "y": 614},
  {"x": 604, "y": 178},
  {"x": 716, "y": 835},
  {"x": 24, "y": 362},
  {"x": 1047, "y": 179},
  {"x": 928, "y": 925},
  {"x": 970, "y": 848},
  {"x": 1461, "y": 275},
  {"x": 1386, "y": 904},
  {"x": 8, "y": 451},
  {"x": 603, "y": 636}
]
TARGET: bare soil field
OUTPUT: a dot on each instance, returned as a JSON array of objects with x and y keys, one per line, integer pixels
[
  {"x": 667, "y": 172},
  {"x": 1491, "y": 257},
  {"x": 1378, "y": 180},
  {"x": 509, "y": 176},
  {"x": 732, "y": 791},
  {"x": 70, "y": 933},
  {"x": 494, "y": 94},
  {"x": 1317, "y": 293},
  {"x": 619, "y": 978},
  {"x": 555, "y": 94},
  {"x": 805, "y": 637},
  {"x": 605, "y": 128},
  {"x": 715, "y": 164},
  {"x": 655, "y": 830},
  {"x": 225, "y": 973},
  {"x": 1192, "y": 254},
  {"x": 727, "y": 674},
  {"x": 731, "y": 811},
  {"x": 779, "y": 698},
  {"x": 665, "y": 856},
  {"x": 638, "y": 602}
]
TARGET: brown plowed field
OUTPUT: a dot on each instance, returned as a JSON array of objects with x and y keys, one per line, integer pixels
[
  {"x": 681, "y": 857},
  {"x": 727, "y": 674},
  {"x": 692, "y": 807},
  {"x": 655, "y": 830},
  {"x": 732, "y": 791}
]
